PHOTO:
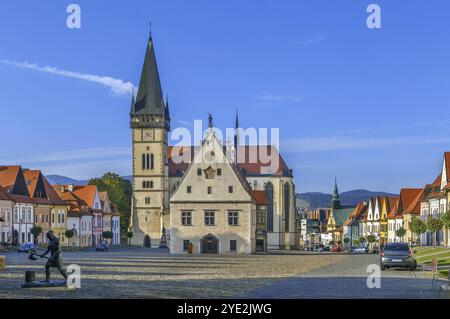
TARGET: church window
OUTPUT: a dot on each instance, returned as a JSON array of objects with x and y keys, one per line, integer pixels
[
  {"x": 219, "y": 172},
  {"x": 143, "y": 162},
  {"x": 199, "y": 172},
  {"x": 209, "y": 190},
  {"x": 287, "y": 206},
  {"x": 230, "y": 189},
  {"x": 210, "y": 218},
  {"x": 269, "y": 194},
  {"x": 186, "y": 218},
  {"x": 152, "y": 161},
  {"x": 189, "y": 189},
  {"x": 147, "y": 200},
  {"x": 151, "y": 184}
]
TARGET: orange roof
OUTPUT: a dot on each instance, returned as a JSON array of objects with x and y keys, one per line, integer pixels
[
  {"x": 52, "y": 194},
  {"x": 86, "y": 193},
  {"x": 8, "y": 176},
  {"x": 414, "y": 207},
  {"x": 260, "y": 197},
  {"x": 360, "y": 209},
  {"x": 77, "y": 206},
  {"x": 406, "y": 199},
  {"x": 3, "y": 194},
  {"x": 393, "y": 210},
  {"x": 31, "y": 177}
]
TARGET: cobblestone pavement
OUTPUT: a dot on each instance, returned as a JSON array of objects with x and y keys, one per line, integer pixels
[
  {"x": 145, "y": 273},
  {"x": 347, "y": 279}
]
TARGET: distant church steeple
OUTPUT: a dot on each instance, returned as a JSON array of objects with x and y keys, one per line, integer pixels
[{"x": 336, "y": 202}]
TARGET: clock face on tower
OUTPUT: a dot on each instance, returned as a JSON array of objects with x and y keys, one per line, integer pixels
[{"x": 147, "y": 135}]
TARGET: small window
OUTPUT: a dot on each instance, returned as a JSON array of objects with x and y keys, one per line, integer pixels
[
  {"x": 199, "y": 172},
  {"x": 219, "y": 172},
  {"x": 233, "y": 218},
  {"x": 147, "y": 200},
  {"x": 189, "y": 189},
  {"x": 210, "y": 218},
  {"x": 230, "y": 189},
  {"x": 233, "y": 245},
  {"x": 209, "y": 190},
  {"x": 186, "y": 218},
  {"x": 151, "y": 184},
  {"x": 186, "y": 245}
]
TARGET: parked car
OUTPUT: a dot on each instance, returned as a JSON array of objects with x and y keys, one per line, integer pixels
[
  {"x": 324, "y": 249},
  {"x": 336, "y": 249},
  {"x": 360, "y": 250},
  {"x": 397, "y": 255},
  {"x": 25, "y": 248},
  {"x": 102, "y": 246}
]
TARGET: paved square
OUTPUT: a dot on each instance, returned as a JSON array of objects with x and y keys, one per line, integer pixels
[{"x": 153, "y": 273}]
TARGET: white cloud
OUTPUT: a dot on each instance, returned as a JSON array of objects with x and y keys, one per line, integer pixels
[
  {"x": 313, "y": 40},
  {"x": 75, "y": 155},
  {"x": 312, "y": 144},
  {"x": 118, "y": 86},
  {"x": 271, "y": 97}
]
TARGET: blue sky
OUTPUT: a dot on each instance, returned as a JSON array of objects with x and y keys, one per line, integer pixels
[{"x": 368, "y": 106}]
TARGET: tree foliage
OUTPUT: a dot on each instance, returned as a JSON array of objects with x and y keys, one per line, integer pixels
[
  {"x": 418, "y": 226},
  {"x": 371, "y": 239},
  {"x": 434, "y": 224},
  {"x": 107, "y": 234},
  {"x": 119, "y": 191},
  {"x": 69, "y": 233},
  {"x": 400, "y": 232},
  {"x": 446, "y": 219}
]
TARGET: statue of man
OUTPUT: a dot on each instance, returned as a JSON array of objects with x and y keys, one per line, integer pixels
[{"x": 55, "y": 259}]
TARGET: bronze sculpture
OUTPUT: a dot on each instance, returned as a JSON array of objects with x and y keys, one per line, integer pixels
[{"x": 55, "y": 259}]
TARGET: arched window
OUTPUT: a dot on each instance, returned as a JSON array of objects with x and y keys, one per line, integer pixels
[
  {"x": 287, "y": 206},
  {"x": 152, "y": 161},
  {"x": 143, "y": 161},
  {"x": 269, "y": 194},
  {"x": 147, "y": 161}
]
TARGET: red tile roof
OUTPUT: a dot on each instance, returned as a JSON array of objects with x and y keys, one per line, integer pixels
[
  {"x": 252, "y": 160},
  {"x": 359, "y": 210},
  {"x": 86, "y": 193},
  {"x": 260, "y": 197},
  {"x": 8, "y": 175},
  {"x": 31, "y": 177},
  {"x": 3, "y": 194},
  {"x": 447, "y": 164},
  {"x": 406, "y": 199}
]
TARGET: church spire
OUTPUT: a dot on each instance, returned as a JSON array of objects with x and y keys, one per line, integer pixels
[
  {"x": 149, "y": 100},
  {"x": 236, "y": 136},
  {"x": 132, "y": 102},
  {"x": 336, "y": 201}
]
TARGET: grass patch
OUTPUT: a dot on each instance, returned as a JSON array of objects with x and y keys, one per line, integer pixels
[
  {"x": 427, "y": 259},
  {"x": 429, "y": 250}
]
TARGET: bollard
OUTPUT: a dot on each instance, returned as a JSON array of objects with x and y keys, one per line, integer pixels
[
  {"x": 2, "y": 262},
  {"x": 29, "y": 276}
]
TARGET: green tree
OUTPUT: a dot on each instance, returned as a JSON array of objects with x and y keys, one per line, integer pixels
[
  {"x": 129, "y": 236},
  {"x": 418, "y": 227},
  {"x": 434, "y": 225},
  {"x": 362, "y": 240},
  {"x": 355, "y": 242},
  {"x": 446, "y": 224},
  {"x": 36, "y": 231},
  {"x": 69, "y": 234},
  {"x": 108, "y": 235},
  {"x": 400, "y": 232},
  {"x": 346, "y": 242},
  {"x": 119, "y": 191}
]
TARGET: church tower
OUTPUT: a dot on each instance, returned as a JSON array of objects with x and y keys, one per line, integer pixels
[
  {"x": 150, "y": 124},
  {"x": 336, "y": 202}
]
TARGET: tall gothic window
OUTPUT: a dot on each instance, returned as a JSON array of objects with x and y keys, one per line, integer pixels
[
  {"x": 148, "y": 161},
  {"x": 287, "y": 206},
  {"x": 269, "y": 194}
]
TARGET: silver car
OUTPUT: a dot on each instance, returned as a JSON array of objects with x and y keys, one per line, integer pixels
[{"x": 397, "y": 255}]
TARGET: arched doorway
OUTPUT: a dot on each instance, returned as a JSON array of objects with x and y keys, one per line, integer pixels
[
  {"x": 147, "y": 241},
  {"x": 209, "y": 244}
]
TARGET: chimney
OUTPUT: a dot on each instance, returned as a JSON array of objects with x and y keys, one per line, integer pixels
[{"x": 70, "y": 187}]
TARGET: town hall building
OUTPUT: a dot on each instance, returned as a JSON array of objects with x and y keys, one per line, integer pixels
[{"x": 218, "y": 199}]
